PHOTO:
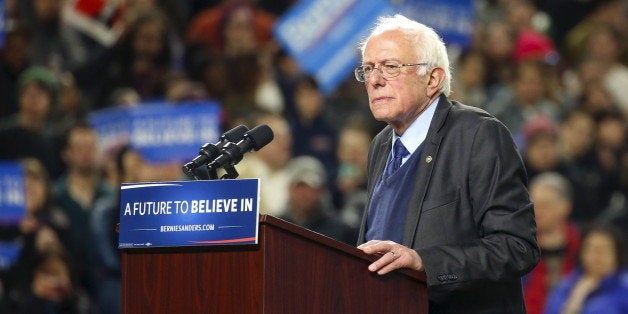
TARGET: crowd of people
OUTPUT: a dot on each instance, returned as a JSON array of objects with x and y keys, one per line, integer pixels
[{"x": 555, "y": 73}]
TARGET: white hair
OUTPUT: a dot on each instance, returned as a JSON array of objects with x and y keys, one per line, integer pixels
[
  {"x": 555, "y": 181},
  {"x": 429, "y": 47}
]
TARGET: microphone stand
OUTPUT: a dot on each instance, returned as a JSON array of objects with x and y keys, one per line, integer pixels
[
  {"x": 232, "y": 173},
  {"x": 213, "y": 175}
]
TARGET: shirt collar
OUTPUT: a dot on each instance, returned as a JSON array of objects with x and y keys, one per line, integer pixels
[{"x": 417, "y": 132}]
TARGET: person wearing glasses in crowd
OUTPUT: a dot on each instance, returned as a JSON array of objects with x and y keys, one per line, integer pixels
[{"x": 446, "y": 185}]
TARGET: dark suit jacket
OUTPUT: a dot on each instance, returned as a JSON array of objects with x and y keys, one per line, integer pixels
[{"x": 470, "y": 217}]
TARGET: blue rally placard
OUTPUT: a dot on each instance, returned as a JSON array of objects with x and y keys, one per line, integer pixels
[
  {"x": 3, "y": 23},
  {"x": 12, "y": 198},
  {"x": 9, "y": 254},
  {"x": 161, "y": 131},
  {"x": 322, "y": 35},
  {"x": 189, "y": 213},
  {"x": 452, "y": 19}
]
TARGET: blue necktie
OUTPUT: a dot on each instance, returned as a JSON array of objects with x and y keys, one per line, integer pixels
[{"x": 399, "y": 152}]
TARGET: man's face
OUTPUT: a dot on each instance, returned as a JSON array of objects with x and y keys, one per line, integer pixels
[
  {"x": 400, "y": 99},
  {"x": 81, "y": 151},
  {"x": 35, "y": 101},
  {"x": 550, "y": 210}
]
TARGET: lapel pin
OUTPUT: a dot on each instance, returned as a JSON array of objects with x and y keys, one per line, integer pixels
[{"x": 428, "y": 159}]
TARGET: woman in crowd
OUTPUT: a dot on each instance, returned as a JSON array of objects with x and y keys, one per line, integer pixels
[{"x": 600, "y": 285}]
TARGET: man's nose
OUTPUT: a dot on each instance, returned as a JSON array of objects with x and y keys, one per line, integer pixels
[{"x": 376, "y": 77}]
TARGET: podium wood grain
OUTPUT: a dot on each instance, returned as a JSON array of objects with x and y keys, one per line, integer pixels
[{"x": 291, "y": 270}]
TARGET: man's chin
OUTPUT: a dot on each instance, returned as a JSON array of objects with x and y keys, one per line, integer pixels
[
  {"x": 379, "y": 115},
  {"x": 382, "y": 118}
]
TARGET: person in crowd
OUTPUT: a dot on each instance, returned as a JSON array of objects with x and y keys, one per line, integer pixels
[
  {"x": 25, "y": 134},
  {"x": 600, "y": 284},
  {"x": 497, "y": 47},
  {"x": 348, "y": 103},
  {"x": 14, "y": 59},
  {"x": 609, "y": 13},
  {"x": 44, "y": 229},
  {"x": 530, "y": 43},
  {"x": 616, "y": 213},
  {"x": 71, "y": 106},
  {"x": 309, "y": 203},
  {"x": 352, "y": 151},
  {"x": 542, "y": 150},
  {"x": 182, "y": 89},
  {"x": 270, "y": 164},
  {"x": 52, "y": 289},
  {"x": 558, "y": 238},
  {"x": 528, "y": 97},
  {"x": 233, "y": 27},
  {"x": 287, "y": 73},
  {"x": 142, "y": 60},
  {"x": 41, "y": 210},
  {"x": 593, "y": 184},
  {"x": 611, "y": 139},
  {"x": 239, "y": 33},
  {"x": 597, "y": 99},
  {"x": 126, "y": 167},
  {"x": 577, "y": 135},
  {"x": 469, "y": 85},
  {"x": 447, "y": 187},
  {"x": 313, "y": 134},
  {"x": 244, "y": 77},
  {"x": 3, "y": 306},
  {"x": 604, "y": 45},
  {"x": 78, "y": 190},
  {"x": 54, "y": 43}
]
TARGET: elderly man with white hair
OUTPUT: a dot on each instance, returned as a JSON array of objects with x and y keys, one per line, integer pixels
[{"x": 447, "y": 187}]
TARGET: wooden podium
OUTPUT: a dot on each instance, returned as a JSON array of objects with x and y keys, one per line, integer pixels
[{"x": 291, "y": 270}]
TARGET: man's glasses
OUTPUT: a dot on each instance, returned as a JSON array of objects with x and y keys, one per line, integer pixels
[{"x": 387, "y": 70}]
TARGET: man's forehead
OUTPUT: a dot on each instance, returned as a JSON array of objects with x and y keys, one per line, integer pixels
[{"x": 388, "y": 46}]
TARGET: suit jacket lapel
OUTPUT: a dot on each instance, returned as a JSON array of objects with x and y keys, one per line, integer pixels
[
  {"x": 376, "y": 168},
  {"x": 424, "y": 171},
  {"x": 383, "y": 150}
]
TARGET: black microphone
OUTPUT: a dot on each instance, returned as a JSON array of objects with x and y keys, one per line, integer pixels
[
  {"x": 253, "y": 140},
  {"x": 210, "y": 151}
]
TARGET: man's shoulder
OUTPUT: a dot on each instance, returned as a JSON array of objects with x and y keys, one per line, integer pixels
[
  {"x": 466, "y": 112},
  {"x": 469, "y": 118}
]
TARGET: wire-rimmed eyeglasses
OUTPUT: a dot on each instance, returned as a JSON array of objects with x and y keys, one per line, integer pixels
[{"x": 387, "y": 70}]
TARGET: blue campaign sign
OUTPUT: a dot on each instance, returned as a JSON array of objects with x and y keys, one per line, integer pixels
[
  {"x": 3, "y": 22},
  {"x": 12, "y": 200},
  {"x": 452, "y": 19},
  {"x": 161, "y": 132},
  {"x": 323, "y": 35},
  {"x": 9, "y": 254},
  {"x": 189, "y": 213}
]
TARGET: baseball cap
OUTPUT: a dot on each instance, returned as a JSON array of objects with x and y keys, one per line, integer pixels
[
  {"x": 40, "y": 75},
  {"x": 308, "y": 170}
]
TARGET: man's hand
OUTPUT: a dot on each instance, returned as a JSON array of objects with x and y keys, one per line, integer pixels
[{"x": 394, "y": 256}]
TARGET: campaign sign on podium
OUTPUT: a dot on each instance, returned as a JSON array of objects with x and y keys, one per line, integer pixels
[{"x": 189, "y": 213}]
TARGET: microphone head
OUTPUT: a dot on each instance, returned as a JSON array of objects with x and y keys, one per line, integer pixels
[
  {"x": 259, "y": 136},
  {"x": 235, "y": 135},
  {"x": 187, "y": 169}
]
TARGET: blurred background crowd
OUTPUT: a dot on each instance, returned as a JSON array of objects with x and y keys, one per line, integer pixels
[{"x": 554, "y": 72}]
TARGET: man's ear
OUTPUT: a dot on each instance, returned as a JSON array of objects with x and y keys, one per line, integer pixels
[{"x": 435, "y": 80}]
